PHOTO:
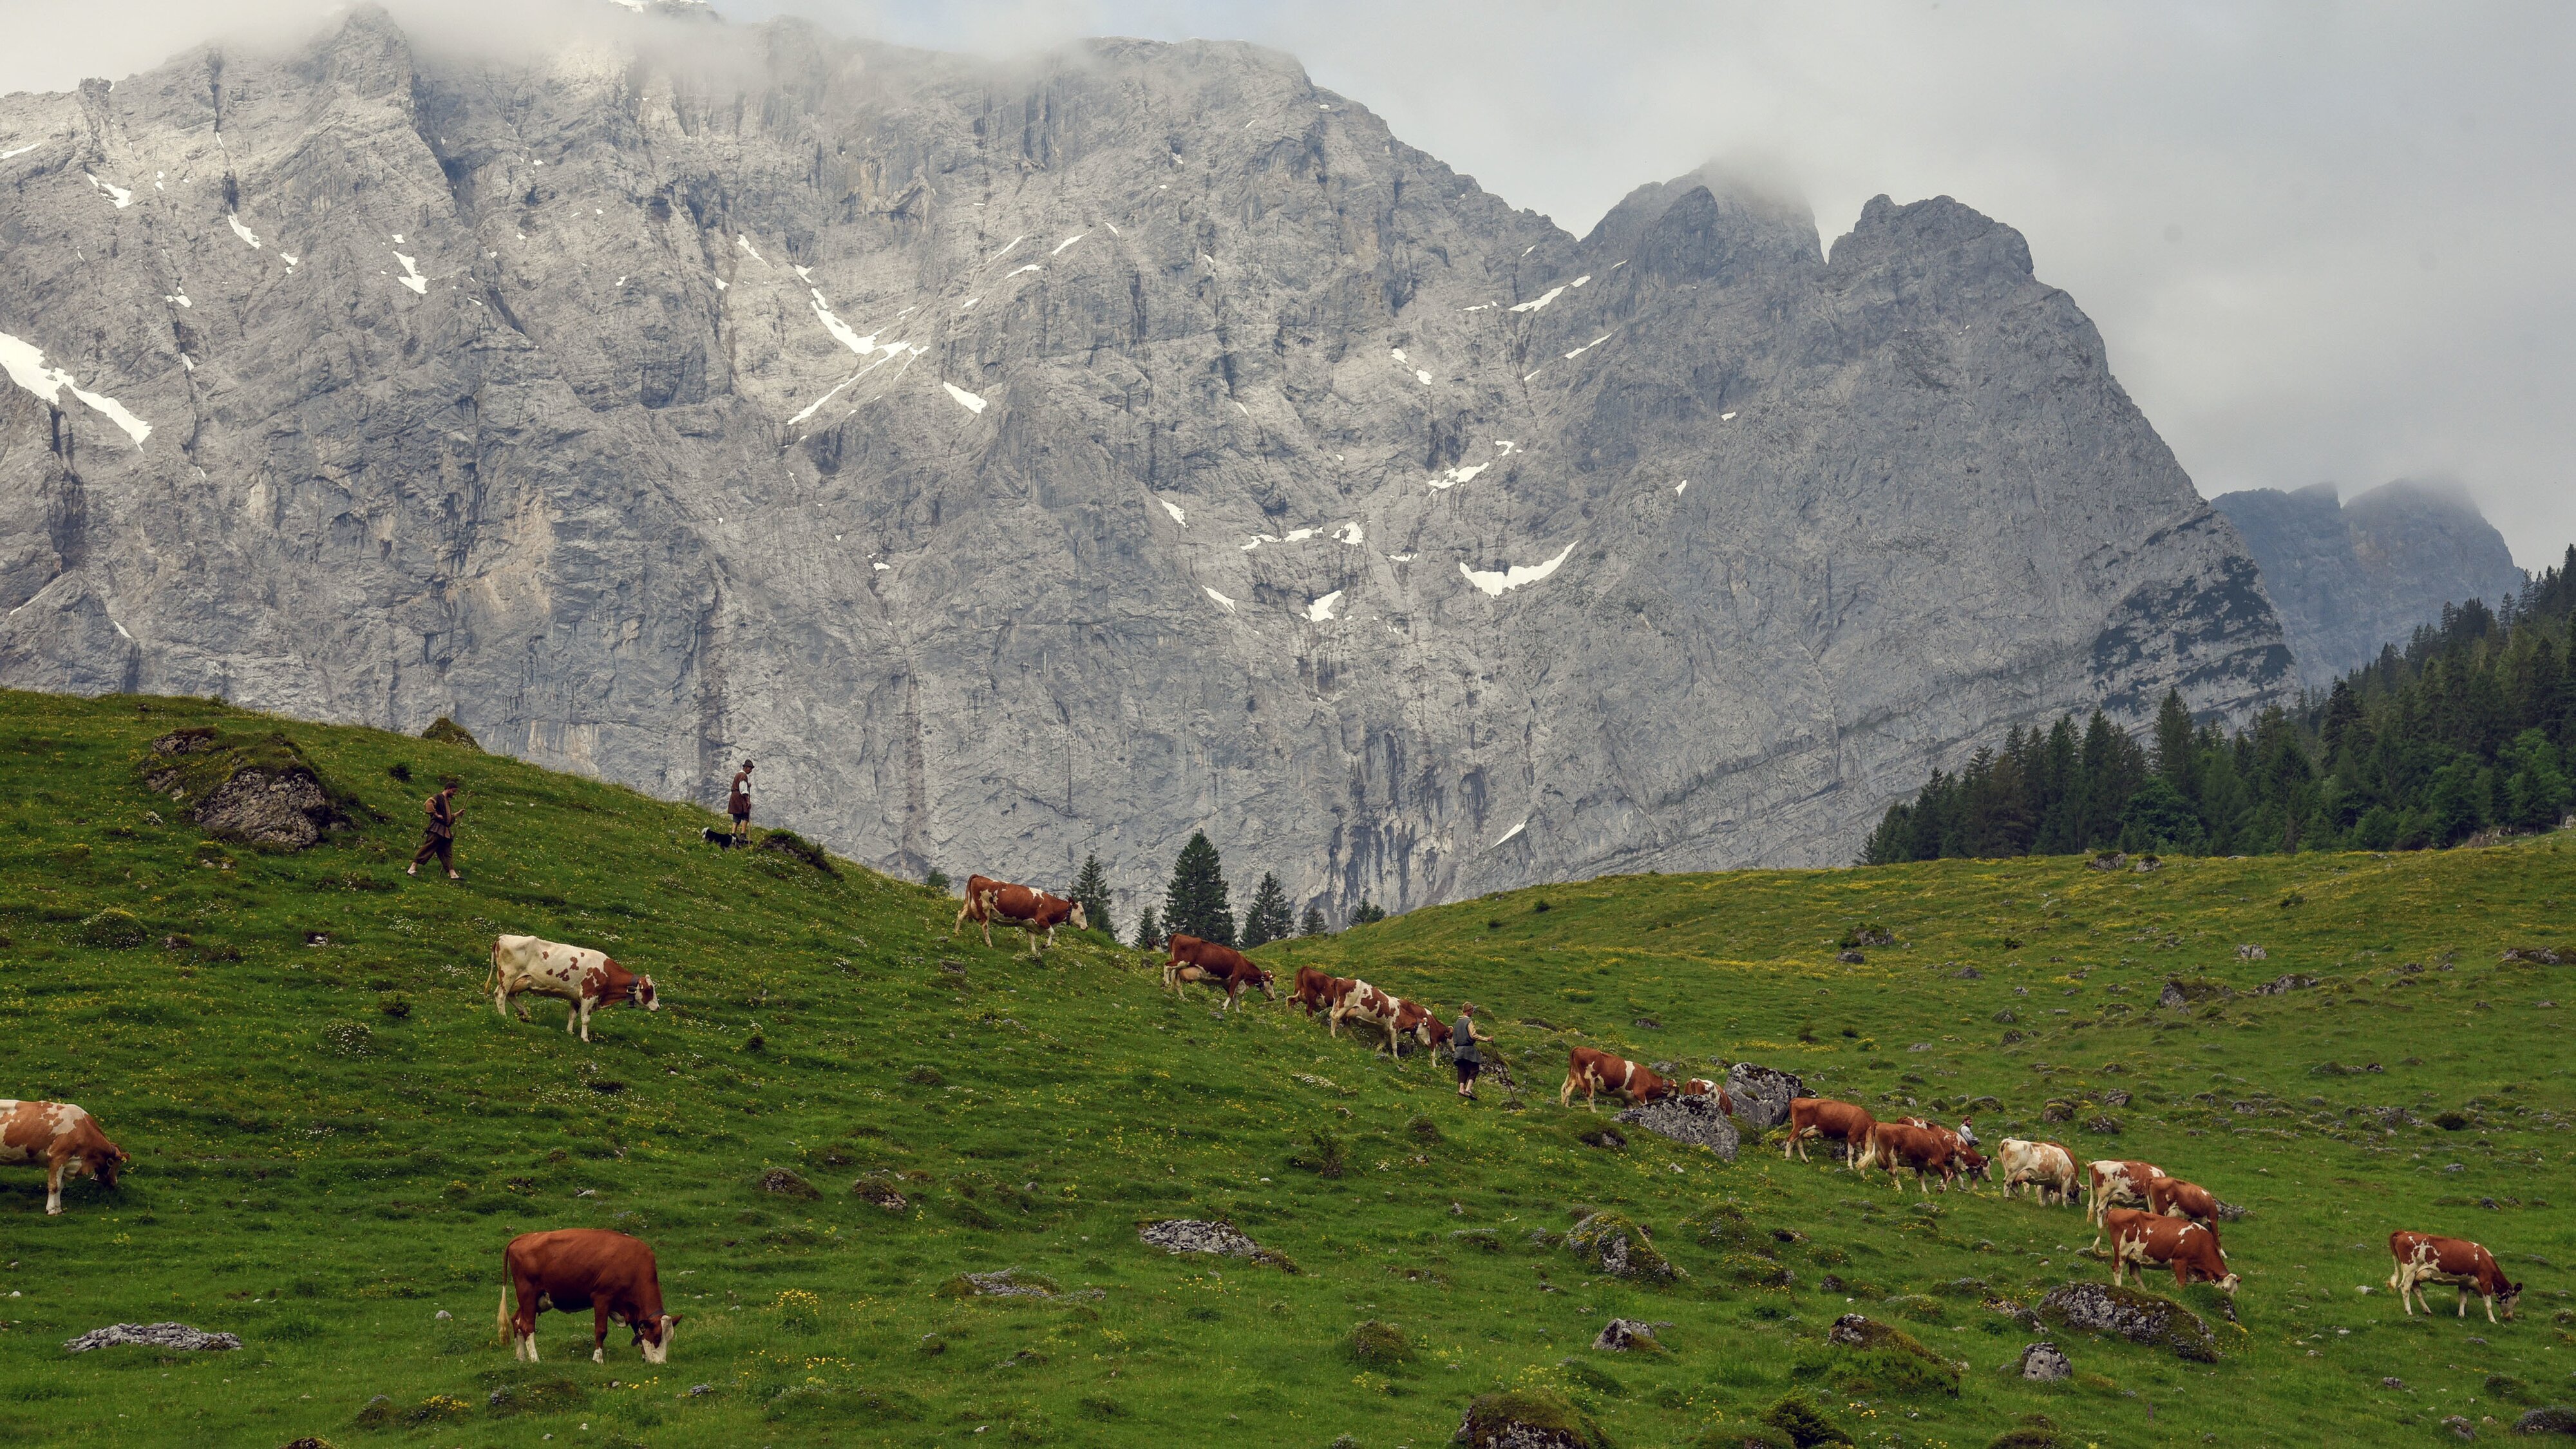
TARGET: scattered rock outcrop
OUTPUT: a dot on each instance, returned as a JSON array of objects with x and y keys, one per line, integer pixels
[
  {"x": 2137, "y": 1316},
  {"x": 1189, "y": 1235},
  {"x": 1761, "y": 1094},
  {"x": 1694, "y": 1120},
  {"x": 2045, "y": 1362},
  {"x": 152, "y": 1335},
  {"x": 1625, "y": 1335}
]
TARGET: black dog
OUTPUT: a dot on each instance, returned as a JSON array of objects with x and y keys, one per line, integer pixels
[{"x": 717, "y": 838}]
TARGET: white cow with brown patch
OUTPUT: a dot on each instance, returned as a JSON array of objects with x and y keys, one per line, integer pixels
[
  {"x": 2048, "y": 1168},
  {"x": 64, "y": 1138},
  {"x": 576, "y": 974}
]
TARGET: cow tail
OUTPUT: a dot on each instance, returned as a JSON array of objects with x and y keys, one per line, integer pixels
[{"x": 501, "y": 1317}]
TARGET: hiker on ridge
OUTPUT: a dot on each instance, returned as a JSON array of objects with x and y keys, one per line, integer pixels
[
  {"x": 440, "y": 838},
  {"x": 738, "y": 804},
  {"x": 1462, "y": 1045}
]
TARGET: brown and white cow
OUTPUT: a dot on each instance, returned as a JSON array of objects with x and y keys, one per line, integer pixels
[
  {"x": 2140, "y": 1239},
  {"x": 2112, "y": 1182},
  {"x": 576, "y": 974},
  {"x": 2423, "y": 1258},
  {"x": 1362, "y": 1002},
  {"x": 2176, "y": 1198},
  {"x": 1223, "y": 967},
  {"x": 2046, "y": 1166},
  {"x": 1598, "y": 1071},
  {"x": 64, "y": 1138},
  {"x": 1421, "y": 1023},
  {"x": 976, "y": 907},
  {"x": 1030, "y": 909},
  {"x": 1827, "y": 1121},
  {"x": 571, "y": 1269},
  {"x": 1703, "y": 1087}
]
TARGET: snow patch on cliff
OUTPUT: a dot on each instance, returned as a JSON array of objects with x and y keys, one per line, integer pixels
[{"x": 1515, "y": 575}]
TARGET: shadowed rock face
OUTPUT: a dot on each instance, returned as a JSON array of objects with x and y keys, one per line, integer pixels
[
  {"x": 2349, "y": 578},
  {"x": 1025, "y": 461}
]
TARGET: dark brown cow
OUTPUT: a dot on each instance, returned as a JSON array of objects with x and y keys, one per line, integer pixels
[
  {"x": 65, "y": 1139},
  {"x": 1598, "y": 1071},
  {"x": 2175, "y": 1198},
  {"x": 1903, "y": 1147},
  {"x": 2423, "y": 1258},
  {"x": 2142, "y": 1238},
  {"x": 1317, "y": 990},
  {"x": 1223, "y": 967},
  {"x": 571, "y": 1269},
  {"x": 1828, "y": 1121}
]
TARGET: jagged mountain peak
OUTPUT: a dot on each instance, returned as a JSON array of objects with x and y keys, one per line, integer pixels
[{"x": 1032, "y": 459}]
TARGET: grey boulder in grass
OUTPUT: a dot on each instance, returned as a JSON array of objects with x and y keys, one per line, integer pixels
[
  {"x": 1527, "y": 1419},
  {"x": 151, "y": 1335},
  {"x": 2136, "y": 1316}
]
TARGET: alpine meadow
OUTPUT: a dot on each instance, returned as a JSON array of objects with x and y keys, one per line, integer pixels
[{"x": 908, "y": 1190}]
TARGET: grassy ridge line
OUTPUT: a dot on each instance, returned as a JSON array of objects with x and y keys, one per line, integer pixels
[{"x": 324, "y": 1194}]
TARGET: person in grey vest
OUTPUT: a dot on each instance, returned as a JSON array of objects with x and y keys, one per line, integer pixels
[{"x": 1463, "y": 1038}]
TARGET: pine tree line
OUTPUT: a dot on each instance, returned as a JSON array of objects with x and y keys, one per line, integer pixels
[{"x": 2470, "y": 727}]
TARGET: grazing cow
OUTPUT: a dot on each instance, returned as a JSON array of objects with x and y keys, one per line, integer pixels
[
  {"x": 1316, "y": 990},
  {"x": 1703, "y": 1087},
  {"x": 2111, "y": 1182},
  {"x": 1421, "y": 1023},
  {"x": 65, "y": 1139},
  {"x": 1031, "y": 910},
  {"x": 577, "y": 974},
  {"x": 1223, "y": 967},
  {"x": 1360, "y": 1001},
  {"x": 2046, "y": 1166},
  {"x": 2176, "y": 1198},
  {"x": 1901, "y": 1147},
  {"x": 2141, "y": 1238},
  {"x": 1965, "y": 1159},
  {"x": 1828, "y": 1121},
  {"x": 1598, "y": 1071},
  {"x": 2423, "y": 1258},
  {"x": 571, "y": 1269}
]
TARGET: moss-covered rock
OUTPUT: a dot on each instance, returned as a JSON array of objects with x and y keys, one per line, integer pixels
[
  {"x": 1743, "y": 1436},
  {"x": 111, "y": 930},
  {"x": 445, "y": 731},
  {"x": 797, "y": 847},
  {"x": 1886, "y": 1359},
  {"x": 1517, "y": 1419},
  {"x": 255, "y": 788},
  {"x": 1797, "y": 1416},
  {"x": 1621, "y": 1248},
  {"x": 1378, "y": 1345},
  {"x": 2034, "y": 1431},
  {"x": 2137, "y": 1316}
]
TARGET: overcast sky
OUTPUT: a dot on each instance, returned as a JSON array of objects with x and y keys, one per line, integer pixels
[{"x": 2326, "y": 243}]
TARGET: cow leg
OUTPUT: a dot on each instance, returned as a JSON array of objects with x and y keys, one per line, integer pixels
[
  {"x": 2464, "y": 1300},
  {"x": 599, "y": 1332},
  {"x": 2490, "y": 1302},
  {"x": 501, "y": 1001},
  {"x": 1565, "y": 1094},
  {"x": 585, "y": 1019},
  {"x": 54, "y": 1191}
]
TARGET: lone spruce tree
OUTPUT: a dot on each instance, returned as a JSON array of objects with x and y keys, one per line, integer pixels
[
  {"x": 1091, "y": 892},
  {"x": 1149, "y": 935},
  {"x": 1194, "y": 903},
  {"x": 1267, "y": 919},
  {"x": 1313, "y": 925}
]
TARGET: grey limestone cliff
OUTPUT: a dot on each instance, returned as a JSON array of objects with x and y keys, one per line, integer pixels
[
  {"x": 2351, "y": 578},
  {"x": 1025, "y": 460}
]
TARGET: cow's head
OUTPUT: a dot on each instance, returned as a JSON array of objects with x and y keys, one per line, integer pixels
[
  {"x": 1663, "y": 1090},
  {"x": 1081, "y": 919},
  {"x": 653, "y": 1336},
  {"x": 643, "y": 995},
  {"x": 1265, "y": 980},
  {"x": 109, "y": 1158},
  {"x": 1974, "y": 1164},
  {"x": 2509, "y": 1299}
]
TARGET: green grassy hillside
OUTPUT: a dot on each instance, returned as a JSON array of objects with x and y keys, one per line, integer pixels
[{"x": 333, "y": 1140}]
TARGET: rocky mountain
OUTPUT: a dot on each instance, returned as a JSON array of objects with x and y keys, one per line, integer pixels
[
  {"x": 1029, "y": 459},
  {"x": 2349, "y": 578}
]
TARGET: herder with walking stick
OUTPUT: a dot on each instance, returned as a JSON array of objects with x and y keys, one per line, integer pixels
[
  {"x": 440, "y": 838},
  {"x": 1463, "y": 1038}
]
